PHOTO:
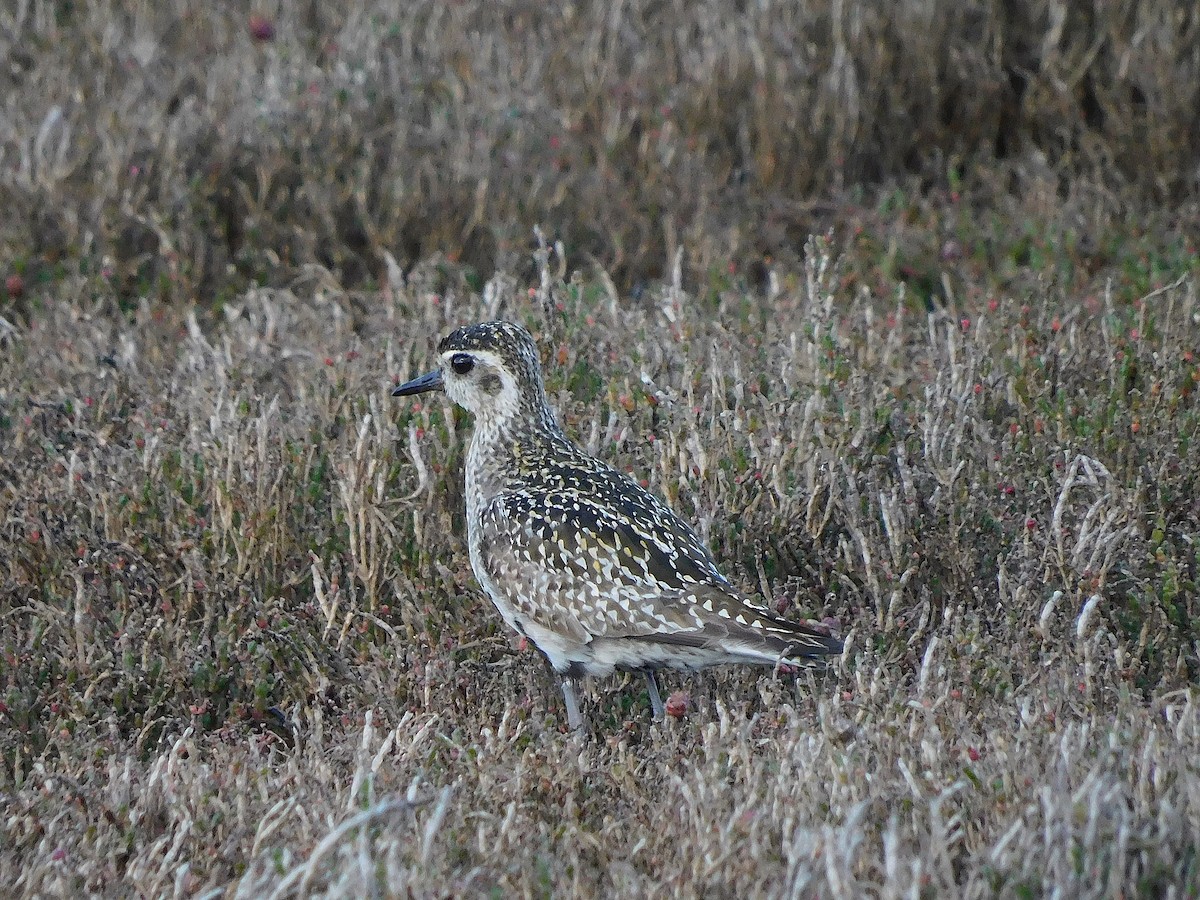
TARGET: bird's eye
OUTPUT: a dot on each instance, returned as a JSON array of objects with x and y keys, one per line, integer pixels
[{"x": 462, "y": 363}]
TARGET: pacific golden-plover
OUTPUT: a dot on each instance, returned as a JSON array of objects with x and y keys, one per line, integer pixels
[{"x": 599, "y": 573}]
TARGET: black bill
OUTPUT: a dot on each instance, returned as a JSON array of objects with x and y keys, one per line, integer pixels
[{"x": 430, "y": 382}]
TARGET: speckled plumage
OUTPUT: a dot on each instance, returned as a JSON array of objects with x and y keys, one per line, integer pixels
[{"x": 599, "y": 573}]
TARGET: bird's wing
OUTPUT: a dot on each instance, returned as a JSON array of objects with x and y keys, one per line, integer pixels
[
  {"x": 588, "y": 567},
  {"x": 747, "y": 630},
  {"x": 618, "y": 563}
]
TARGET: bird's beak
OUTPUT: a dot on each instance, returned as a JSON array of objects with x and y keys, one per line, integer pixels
[{"x": 431, "y": 382}]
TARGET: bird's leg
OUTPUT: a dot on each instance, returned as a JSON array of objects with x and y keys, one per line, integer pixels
[
  {"x": 574, "y": 719},
  {"x": 656, "y": 704}
]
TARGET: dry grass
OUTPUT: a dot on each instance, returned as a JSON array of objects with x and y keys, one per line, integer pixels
[
  {"x": 241, "y": 652},
  {"x": 200, "y": 525},
  {"x": 163, "y": 141}
]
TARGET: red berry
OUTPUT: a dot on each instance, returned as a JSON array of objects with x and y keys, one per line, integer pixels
[
  {"x": 261, "y": 28},
  {"x": 678, "y": 704}
]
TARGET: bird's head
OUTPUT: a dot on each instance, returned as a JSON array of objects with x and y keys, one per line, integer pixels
[{"x": 491, "y": 370}]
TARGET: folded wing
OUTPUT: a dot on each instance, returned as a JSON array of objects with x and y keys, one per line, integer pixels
[{"x": 618, "y": 563}]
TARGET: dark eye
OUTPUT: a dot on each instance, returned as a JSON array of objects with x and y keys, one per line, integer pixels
[{"x": 462, "y": 363}]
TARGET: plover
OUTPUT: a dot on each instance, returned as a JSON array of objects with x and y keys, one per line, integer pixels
[{"x": 595, "y": 570}]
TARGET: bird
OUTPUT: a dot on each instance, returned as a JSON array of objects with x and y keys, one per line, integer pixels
[{"x": 596, "y": 571}]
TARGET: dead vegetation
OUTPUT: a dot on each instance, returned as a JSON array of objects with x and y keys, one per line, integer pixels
[
  {"x": 241, "y": 652},
  {"x": 169, "y": 144},
  {"x": 242, "y": 646}
]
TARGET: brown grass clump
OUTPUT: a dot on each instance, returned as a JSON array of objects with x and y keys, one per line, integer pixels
[
  {"x": 241, "y": 651},
  {"x": 195, "y": 155}
]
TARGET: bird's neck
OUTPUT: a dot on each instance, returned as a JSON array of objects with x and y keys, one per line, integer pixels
[{"x": 504, "y": 447}]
